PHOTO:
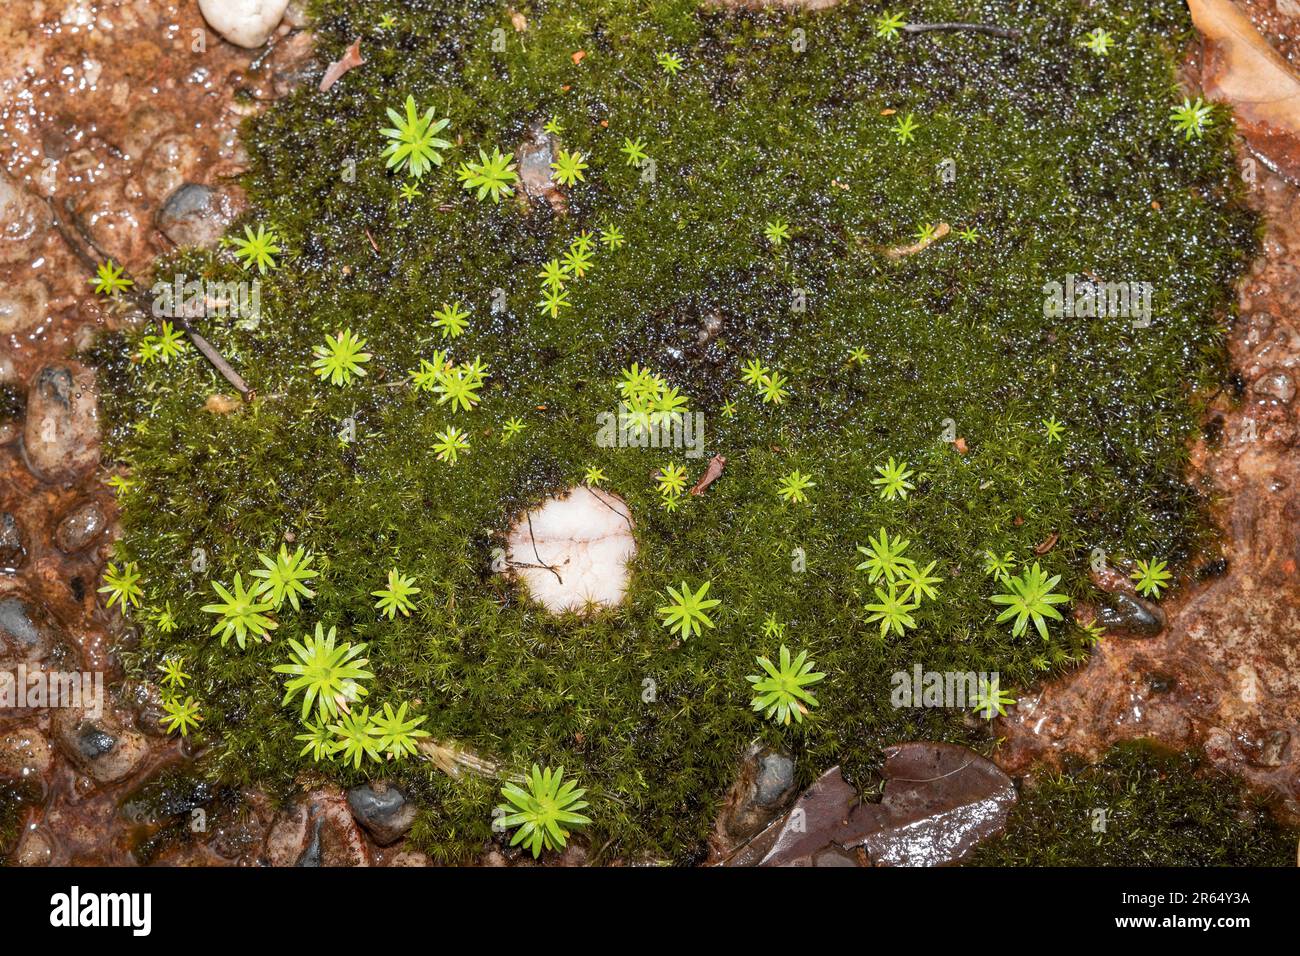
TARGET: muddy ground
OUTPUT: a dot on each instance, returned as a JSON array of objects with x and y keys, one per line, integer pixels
[{"x": 109, "y": 109}]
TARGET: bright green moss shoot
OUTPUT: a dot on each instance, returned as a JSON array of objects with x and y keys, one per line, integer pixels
[{"x": 1065, "y": 162}]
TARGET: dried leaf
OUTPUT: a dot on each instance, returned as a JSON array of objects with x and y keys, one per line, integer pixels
[
  {"x": 711, "y": 474},
  {"x": 1241, "y": 69},
  {"x": 350, "y": 60}
]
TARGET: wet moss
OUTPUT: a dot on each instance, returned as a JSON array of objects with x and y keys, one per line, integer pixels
[
  {"x": 1153, "y": 807},
  {"x": 1066, "y": 163}
]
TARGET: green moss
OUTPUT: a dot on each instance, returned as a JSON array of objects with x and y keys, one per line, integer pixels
[
  {"x": 1065, "y": 163},
  {"x": 1160, "y": 809}
]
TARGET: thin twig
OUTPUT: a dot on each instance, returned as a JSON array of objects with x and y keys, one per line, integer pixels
[
  {"x": 536, "y": 553},
  {"x": 141, "y": 300},
  {"x": 1006, "y": 33}
]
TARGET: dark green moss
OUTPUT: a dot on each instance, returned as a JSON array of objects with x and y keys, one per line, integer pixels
[
  {"x": 1160, "y": 809},
  {"x": 11, "y": 402},
  {"x": 1066, "y": 163}
]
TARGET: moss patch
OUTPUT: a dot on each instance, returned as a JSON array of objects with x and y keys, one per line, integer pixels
[
  {"x": 1066, "y": 163},
  {"x": 1160, "y": 809}
]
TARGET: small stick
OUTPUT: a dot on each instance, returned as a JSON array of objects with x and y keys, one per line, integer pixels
[
  {"x": 142, "y": 301},
  {"x": 1006, "y": 33}
]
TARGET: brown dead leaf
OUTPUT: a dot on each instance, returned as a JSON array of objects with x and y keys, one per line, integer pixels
[
  {"x": 711, "y": 474},
  {"x": 1243, "y": 70},
  {"x": 578, "y": 56},
  {"x": 350, "y": 60}
]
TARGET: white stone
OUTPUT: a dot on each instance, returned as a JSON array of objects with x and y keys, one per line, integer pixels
[
  {"x": 572, "y": 552},
  {"x": 245, "y": 23}
]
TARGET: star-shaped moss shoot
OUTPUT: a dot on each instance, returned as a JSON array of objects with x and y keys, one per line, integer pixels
[
  {"x": 889, "y": 25},
  {"x": 490, "y": 175},
  {"x": 1030, "y": 598},
  {"x": 781, "y": 692},
  {"x": 999, "y": 568},
  {"x": 904, "y": 129},
  {"x": 633, "y": 151},
  {"x": 991, "y": 700},
  {"x": 414, "y": 144},
  {"x": 567, "y": 170},
  {"x": 918, "y": 583},
  {"x": 578, "y": 260},
  {"x": 688, "y": 612},
  {"x": 511, "y": 428},
  {"x": 1151, "y": 577},
  {"x": 284, "y": 576},
  {"x": 395, "y": 598},
  {"x": 173, "y": 671},
  {"x": 122, "y": 585},
  {"x": 397, "y": 734},
  {"x": 553, "y": 276},
  {"x": 772, "y": 388},
  {"x": 460, "y": 384},
  {"x": 611, "y": 237},
  {"x": 543, "y": 810},
  {"x": 1053, "y": 429},
  {"x": 1192, "y": 119},
  {"x": 892, "y": 480},
  {"x": 317, "y": 741},
  {"x": 180, "y": 715},
  {"x": 451, "y": 319},
  {"x": 884, "y": 557},
  {"x": 670, "y": 63},
  {"x": 257, "y": 249},
  {"x": 777, "y": 231},
  {"x": 594, "y": 477},
  {"x": 328, "y": 674},
  {"x": 241, "y": 613},
  {"x": 1098, "y": 41},
  {"x": 553, "y": 301},
  {"x": 892, "y": 611},
  {"x": 671, "y": 480},
  {"x": 109, "y": 279},
  {"x": 340, "y": 358},
  {"x": 450, "y": 443},
  {"x": 163, "y": 347},
  {"x": 356, "y": 739},
  {"x": 793, "y": 488}
]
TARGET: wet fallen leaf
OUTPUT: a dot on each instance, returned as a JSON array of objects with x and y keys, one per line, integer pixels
[
  {"x": 711, "y": 474},
  {"x": 960, "y": 445},
  {"x": 1243, "y": 70},
  {"x": 350, "y": 60},
  {"x": 578, "y": 56},
  {"x": 939, "y": 801},
  {"x": 1047, "y": 544}
]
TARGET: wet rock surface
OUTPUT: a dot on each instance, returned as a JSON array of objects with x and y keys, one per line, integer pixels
[
  {"x": 571, "y": 552},
  {"x": 317, "y": 830},
  {"x": 102, "y": 746},
  {"x": 197, "y": 216},
  {"x": 61, "y": 436},
  {"x": 383, "y": 810},
  {"x": 24, "y": 220},
  {"x": 13, "y": 542},
  {"x": 246, "y": 23},
  {"x": 763, "y": 787},
  {"x": 80, "y": 527}
]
